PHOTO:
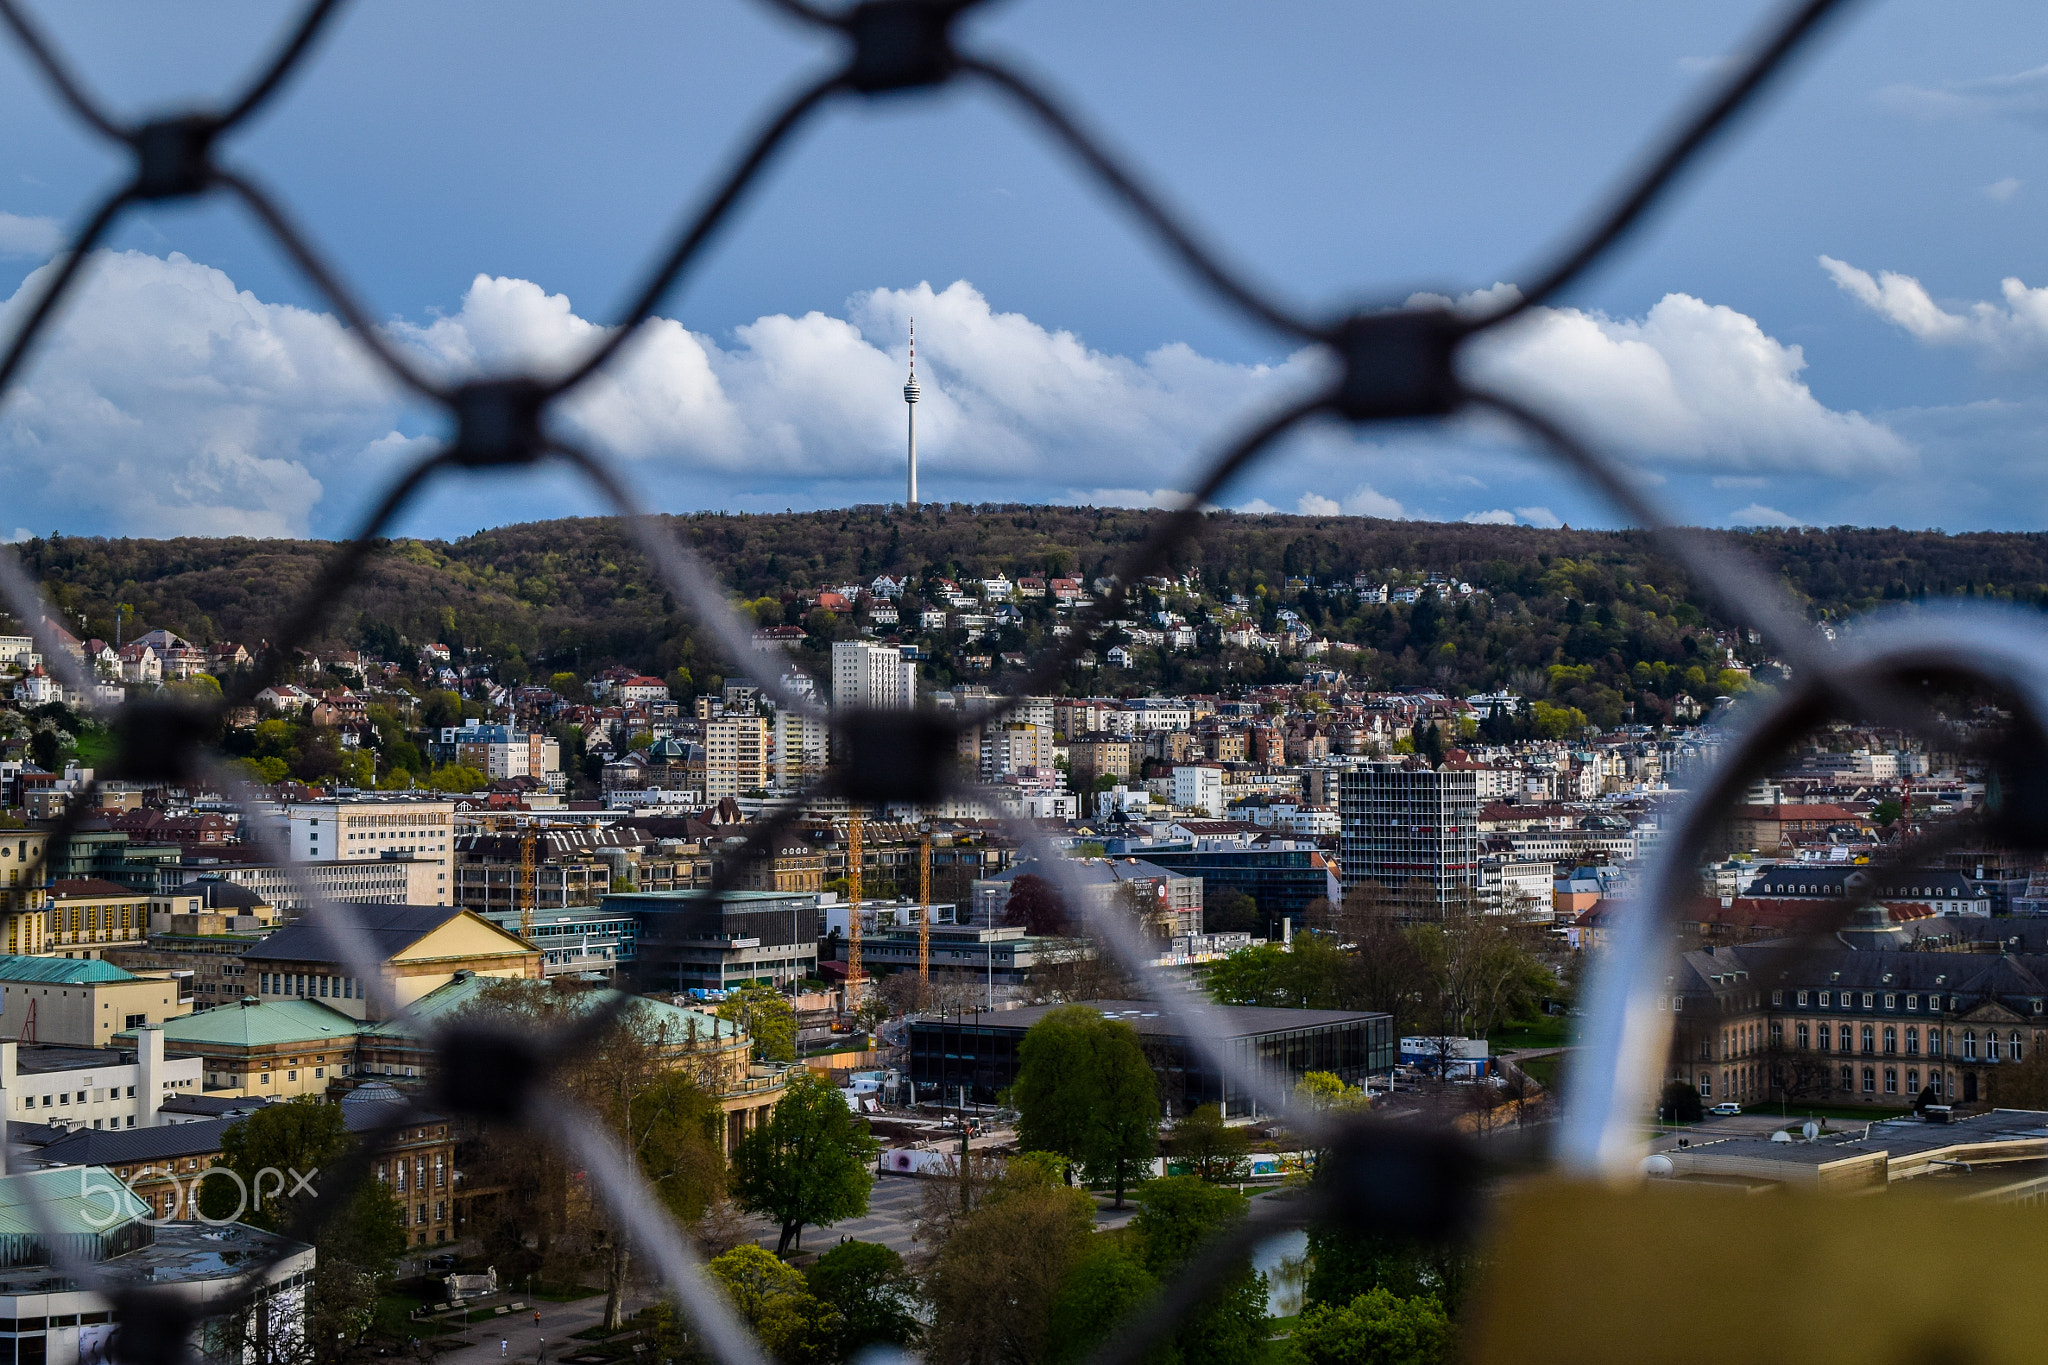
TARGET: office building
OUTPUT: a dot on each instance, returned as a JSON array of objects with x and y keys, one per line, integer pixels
[
  {"x": 693, "y": 940},
  {"x": 419, "y": 833},
  {"x": 979, "y": 1051},
  {"x": 1413, "y": 831}
]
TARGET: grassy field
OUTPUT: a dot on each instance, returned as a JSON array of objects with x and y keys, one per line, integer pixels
[
  {"x": 1545, "y": 1071},
  {"x": 1552, "y": 1030},
  {"x": 94, "y": 748}
]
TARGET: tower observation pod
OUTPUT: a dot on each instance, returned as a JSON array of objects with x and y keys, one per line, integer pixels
[{"x": 910, "y": 394}]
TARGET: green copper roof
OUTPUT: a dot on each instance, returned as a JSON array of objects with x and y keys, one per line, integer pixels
[
  {"x": 77, "y": 1201},
  {"x": 249, "y": 1025},
  {"x": 62, "y": 971}
]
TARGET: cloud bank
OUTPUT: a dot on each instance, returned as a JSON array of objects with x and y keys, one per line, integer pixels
[
  {"x": 2011, "y": 332},
  {"x": 167, "y": 401}
]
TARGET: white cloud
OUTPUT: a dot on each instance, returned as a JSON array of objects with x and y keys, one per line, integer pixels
[
  {"x": 1740, "y": 481},
  {"x": 2021, "y": 95},
  {"x": 1499, "y": 516},
  {"x": 1138, "y": 497},
  {"x": 1756, "y": 514},
  {"x": 1259, "y": 507},
  {"x": 2002, "y": 191},
  {"x": 2014, "y": 330},
  {"x": 20, "y": 236},
  {"x": 1690, "y": 383},
  {"x": 167, "y": 401},
  {"x": 1539, "y": 516},
  {"x": 1367, "y": 501}
]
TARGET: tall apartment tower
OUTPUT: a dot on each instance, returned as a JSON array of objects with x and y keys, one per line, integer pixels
[
  {"x": 735, "y": 756},
  {"x": 1414, "y": 831},
  {"x": 875, "y": 676}
]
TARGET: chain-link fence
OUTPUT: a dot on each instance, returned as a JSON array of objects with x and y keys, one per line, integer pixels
[{"x": 1387, "y": 362}]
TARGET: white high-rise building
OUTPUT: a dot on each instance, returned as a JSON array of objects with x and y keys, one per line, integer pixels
[
  {"x": 802, "y": 748},
  {"x": 865, "y": 674},
  {"x": 735, "y": 756}
]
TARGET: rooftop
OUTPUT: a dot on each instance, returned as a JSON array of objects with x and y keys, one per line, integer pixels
[
  {"x": 390, "y": 929},
  {"x": 1150, "y": 1018},
  {"x": 61, "y": 971},
  {"x": 247, "y": 1023},
  {"x": 120, "y": 1147}
]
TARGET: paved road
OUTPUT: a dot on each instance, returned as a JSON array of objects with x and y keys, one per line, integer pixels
[{"x": 559, "y": 1322}]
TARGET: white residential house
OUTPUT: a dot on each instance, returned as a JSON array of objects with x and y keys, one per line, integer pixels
[{"x": 140, "y": 664}]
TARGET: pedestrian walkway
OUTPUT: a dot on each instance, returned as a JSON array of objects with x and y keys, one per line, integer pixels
[{"x": 559, "y": 1323}]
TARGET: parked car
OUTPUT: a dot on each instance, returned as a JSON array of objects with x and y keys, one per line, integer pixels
[{"x": 1726, "y": 1107}]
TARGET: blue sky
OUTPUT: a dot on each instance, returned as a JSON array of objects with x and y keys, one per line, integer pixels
[{"x": 494, "y": 179}]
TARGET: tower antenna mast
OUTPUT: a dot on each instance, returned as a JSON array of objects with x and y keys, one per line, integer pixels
[{"x": 910, "y": 394}]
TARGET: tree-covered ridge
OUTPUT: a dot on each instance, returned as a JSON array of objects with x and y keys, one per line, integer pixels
[{"x": 1603, "y": 606}]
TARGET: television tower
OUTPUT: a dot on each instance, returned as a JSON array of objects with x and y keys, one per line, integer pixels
[{"x": 910, "y": 392}]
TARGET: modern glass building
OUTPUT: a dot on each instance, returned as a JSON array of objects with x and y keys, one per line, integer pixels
[{"x": 978, "y": 1052}]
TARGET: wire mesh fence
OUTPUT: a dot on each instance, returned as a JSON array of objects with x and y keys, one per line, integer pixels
[{"x": 1387, "y": 362}]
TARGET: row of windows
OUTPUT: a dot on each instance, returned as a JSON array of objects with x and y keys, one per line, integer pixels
[
  {"x": 1846, "y": 1080},
  {"x": 1826, "y": 1038},
  {"x": 1849, "y": 1000},
  {"x": 302, "y": 983}
]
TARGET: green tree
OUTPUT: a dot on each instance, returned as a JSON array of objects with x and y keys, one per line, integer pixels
[
  {"x": 1209, "y": 1148},
  {"x": 456, "y": 777},
  {"x": 358, "y": 768},
  {"x": 993, "y": 1281},
  {"x": 868, "y": 1286},
  {"x": 566, "y": 685},
  {"x": 1085, "y": 1090},
  {"x": 767, "y": 1016},
  {"x": 307, "y": 1137},
  {"x": 810, "y": 1163},
  {"x": 794, "y": 1325},
  {"x": 1106, "y": 1283},
  {"x": 1344, "y": 1263},
  {"x": 1375, "y": 1328},
  {"x": 1177, "y": 1216},
  {"x": 1227, "y": 910}
]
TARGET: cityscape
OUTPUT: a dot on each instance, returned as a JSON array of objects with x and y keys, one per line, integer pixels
[
  {"x": 1387, "y": 901},
  {"x": 1421, "y": 742}
]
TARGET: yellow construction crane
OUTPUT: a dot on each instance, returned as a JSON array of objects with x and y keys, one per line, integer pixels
[
  {"x": 853, "y": 858},
  {"x": 924, "y": 907},
  {"x": 523, "y": 893}
]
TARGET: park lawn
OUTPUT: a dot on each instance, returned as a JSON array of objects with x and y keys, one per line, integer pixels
[
  {"x": 555, "y": 1293},
  {"x": 94, "y": 748},
  {"x": 1551, "y": 1030},
  {"x": 1547, "y": 1072},
  {"x": 389, "y": 1319}
]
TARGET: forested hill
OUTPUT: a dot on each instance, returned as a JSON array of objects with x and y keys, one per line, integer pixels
[{"x": 575, "y": 592}]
